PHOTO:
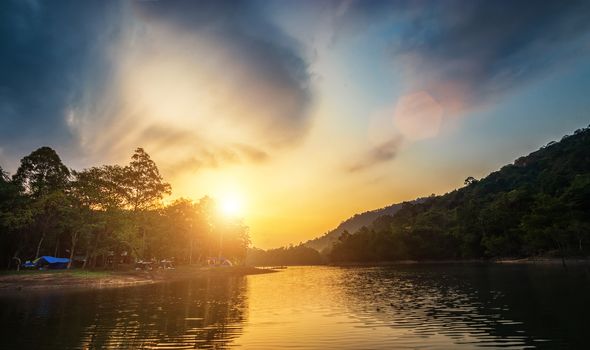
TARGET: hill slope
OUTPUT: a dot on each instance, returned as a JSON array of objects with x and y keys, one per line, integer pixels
[
  {"x": 353, "y": 224},
  {"x": 540, "y": 204}
]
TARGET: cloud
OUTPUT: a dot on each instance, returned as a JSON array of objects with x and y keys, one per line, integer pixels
[
  {"x": 251, "y": 153},
  {"x": 49, "y": 51},
  {"x": 186, "y": 147},
  {"x": 455, "y": 56},
  {"x": 467, "y": 54},
  {"x": 214, "y": 82},
  {"x": 376, "y": 155}
]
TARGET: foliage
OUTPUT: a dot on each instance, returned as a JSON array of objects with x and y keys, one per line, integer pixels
[
  {"x": 539, "y": 205},
  {"x": 324, "y": 243},
  {"x": 292, "y": 255},
  {"x": 107, "y": 215},
  {"x": 41, "y": 172},
  {"x": 144, "y": 186}
]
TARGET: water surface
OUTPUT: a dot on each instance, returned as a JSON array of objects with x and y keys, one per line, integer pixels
[{"x": 411, "y": 306}]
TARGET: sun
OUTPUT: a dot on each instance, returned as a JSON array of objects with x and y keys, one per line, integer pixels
[{"x": 231, "y": 205}]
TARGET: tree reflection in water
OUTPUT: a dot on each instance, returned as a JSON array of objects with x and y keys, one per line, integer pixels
[
  {"x": 441, "y": 306},
  {"x": 204, "y": 313}
]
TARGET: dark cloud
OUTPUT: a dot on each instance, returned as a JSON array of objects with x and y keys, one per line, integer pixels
[
  {"x": 49, "y": 53},
  {"x": 64, "y": 57},
  {"x": 466, "y": 53},
  {"x": 379, "y": 154}
]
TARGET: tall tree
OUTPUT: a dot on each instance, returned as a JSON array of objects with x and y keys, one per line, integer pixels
[
  {"x": 143, "y": 182},
  {"x": 14, "y": 215},
  {"x": 43, "y": 177},
  {"x": 41, "y": 172},
  {"x": 145, "y": 189}
]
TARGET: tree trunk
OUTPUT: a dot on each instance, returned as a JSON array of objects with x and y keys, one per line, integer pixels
[
  {"x": 85, "y": 261},
  {"x": 190, "y": 257},
  {"x": 39, "y": 245},
  {"x": 562, "y": 253},
  {"x": 143, "y": 244},
  {"x": 93, "y": 255},
  {"x": 18, "y": 262},
  {"x": 73, "y": 249},
  {"x": 220, "y": 245},
  {"x": 56, "y": 246}
]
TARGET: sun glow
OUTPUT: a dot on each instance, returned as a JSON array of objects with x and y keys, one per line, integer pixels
[{"x": 231, "y": 205}]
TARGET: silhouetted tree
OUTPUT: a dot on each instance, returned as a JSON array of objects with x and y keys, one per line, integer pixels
[
  {"x": 41, "y": 172},
  {"x": 144, "y": 189},
  {"x": 469, "y": 180}
]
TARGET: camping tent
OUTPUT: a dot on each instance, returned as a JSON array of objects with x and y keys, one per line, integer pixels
[
  {"x": 51, "y": 262},
  {"x": 221, "y": 261}
]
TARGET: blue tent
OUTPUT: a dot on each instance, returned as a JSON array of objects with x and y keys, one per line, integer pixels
[{"x": 52, "y": 262}]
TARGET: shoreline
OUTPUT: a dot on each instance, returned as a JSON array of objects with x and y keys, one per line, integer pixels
[
  {"x": 33, "y": 280},
  {"x": 515, "y": 261},
  {"x": 26, "y": 281}
]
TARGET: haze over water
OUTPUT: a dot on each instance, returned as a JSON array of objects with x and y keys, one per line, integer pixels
[{"x": 464, "y": 306}]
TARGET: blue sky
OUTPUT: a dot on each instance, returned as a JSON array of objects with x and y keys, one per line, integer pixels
[{"x": 321, "y": 108}]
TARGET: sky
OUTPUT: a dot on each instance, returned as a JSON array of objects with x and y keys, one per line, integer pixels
[{"x": 304, "y": 112}]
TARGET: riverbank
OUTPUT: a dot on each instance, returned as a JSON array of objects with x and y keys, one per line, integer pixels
[
  {"x": 82, "y": 279},
  {"x": 543, "y": 260},
  {"x": 529, "y": 260}
]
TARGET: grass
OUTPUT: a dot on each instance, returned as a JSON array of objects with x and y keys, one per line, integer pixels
[{"x": 60, "y": 273}]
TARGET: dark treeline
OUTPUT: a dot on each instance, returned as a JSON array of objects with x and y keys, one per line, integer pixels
[
  {"x": 540, "y": 205},
  {"x": 107, "y": 215},
  {"x": 292, "y": 255}
]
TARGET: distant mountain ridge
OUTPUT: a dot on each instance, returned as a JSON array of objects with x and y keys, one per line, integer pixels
[{"x": 354, "y": 223}]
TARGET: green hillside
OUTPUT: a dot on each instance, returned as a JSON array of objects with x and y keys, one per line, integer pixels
[
  {"x": 539, "y": 205},
  {"x": 325, "y": 242}
]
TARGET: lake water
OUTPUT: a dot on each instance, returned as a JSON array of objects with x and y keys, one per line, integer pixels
[{"x": 396, "y": 307}]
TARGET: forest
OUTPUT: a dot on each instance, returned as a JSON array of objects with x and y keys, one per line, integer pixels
[
  {"x": 108, "y": 216},
  {"x": 537, "y": 206},
  {"x": 111, "y": 215},
  {"x": 291, "y": 255}
]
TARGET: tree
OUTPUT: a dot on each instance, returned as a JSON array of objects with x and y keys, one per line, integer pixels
[
  {"x": 41, "y": 172},
  {"x": 469, "y": 180},
  {"x": 206, "y": 225},
  {"x": 107, "y": 212},
  {"x": 177, "y": 230},
  {"x": 50, "y": 213},
  {"x": 4, "y": 178},
  {"x": 14, "y": 215},
  {"x": 236, "y": 240},
  {"x": 100, "y": 197},
  {"x": 144, "y": 185},
  {"x": 43, "y": 178},
  {"x": 144, "y": 189},
  {"x": 538, "y": 205},
  {"x": 90, "y": 197}
]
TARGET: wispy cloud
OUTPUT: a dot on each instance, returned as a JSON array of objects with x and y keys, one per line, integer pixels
[
  {"x": 470, "y": 53},
  {"x": 376, "y": 155}
]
